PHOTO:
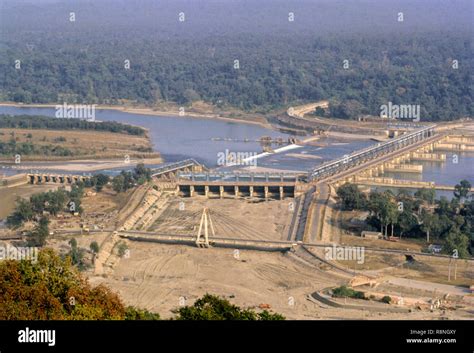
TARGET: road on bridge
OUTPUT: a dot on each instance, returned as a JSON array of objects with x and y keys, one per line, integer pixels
[{"x": 316, "y": 218}]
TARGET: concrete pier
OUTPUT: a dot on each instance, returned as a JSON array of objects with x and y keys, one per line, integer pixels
[
  {"x": 432, "y": 157},
  {"x": 42, "y": 178},
  {"x": 403, "y": 168}
]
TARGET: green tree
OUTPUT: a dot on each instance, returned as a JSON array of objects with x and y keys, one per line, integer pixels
[
  {"x": 428, "y": 222},
  {"x": 44, "y": 289},
  {"x": 382, "y": 206},
  {"x": 23, "y": 212},
  {"x": 211, "y": 307},
  {"x": 94, "y": 246},
  {"x": 462, "y": 190},
  {"x": 100, "y": 180},
  {"x": 37, "y": 237},
  {"x": 406, "y": 221},
  {"x": 456, "y": 241},
  {"x": 133, "y": 313},
  {"x": 141, "y": 174},
  {"x": 427, "y": 195},
  {"x": 118, "y": 183},
  {"x": 76, "y": 254},
  {"x": 351, "y": 197}
]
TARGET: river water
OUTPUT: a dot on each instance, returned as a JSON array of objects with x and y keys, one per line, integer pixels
[{"x": 178, "y": 138}]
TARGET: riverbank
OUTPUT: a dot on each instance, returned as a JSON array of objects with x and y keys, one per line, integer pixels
[
  {"x": 251, "y": 119},
  {"x": 43, "y": 144},
  {"x": 85, "y": 165}
]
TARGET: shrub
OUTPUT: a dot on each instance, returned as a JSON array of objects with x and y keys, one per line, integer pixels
[{"x": 344, "y": 292}]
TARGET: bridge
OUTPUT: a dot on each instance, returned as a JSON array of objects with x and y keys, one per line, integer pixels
[
  {"x": 363, "y": 167},
  {"x": 362, "y": 156},
  {"x": 169, "y": 170}
]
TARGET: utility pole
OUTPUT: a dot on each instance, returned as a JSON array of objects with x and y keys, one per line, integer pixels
[{"x": 449, "y": 270}]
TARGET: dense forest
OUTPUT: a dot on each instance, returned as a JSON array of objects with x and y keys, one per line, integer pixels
[{"x": 426, "y": 60}]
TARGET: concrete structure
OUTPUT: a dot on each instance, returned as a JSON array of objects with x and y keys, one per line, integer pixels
[
  {"x": 170, "y": 170},
  {"x": 41, "y": 178},
  {"x": 403, "y": 168},
  {"x": 359, "y": 157},
  {"x": 263, "y": 185}
]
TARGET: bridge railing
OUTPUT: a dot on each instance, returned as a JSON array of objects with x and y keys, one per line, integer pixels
[
  {"x": 350, "y": 160},
  {"x": 242, "y": 177},
  {"x": 174, "y": 166}
]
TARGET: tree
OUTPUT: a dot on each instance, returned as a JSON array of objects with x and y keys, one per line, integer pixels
[
  {"x": 23, "y": 212},
  {"x": 382, "y": 206},
  {"x": 351, "y": 197},
  {"x": 319, "y": 111},
  {"x": 406, "y": 221},
  {"x": 37, "y": 237},
  {"x": 94, "y": 247},
  {"x": 141, "y": 174},
  {"x": 456, "y": 241},
  {"x": 427, "y": 195},
  {"x": 118, "y": 183},
  {"x": 133, "y": 313},
  {"x": 52, "y": 289},
  {"x": 211, "y": 307},
  {"x": 462, "y": 190},
  {"x": 100, "y": 180},
  {"x": 76, "y": 254},
  {"x": 122, "y": 248},
  {"x": 428, "y": 222}
]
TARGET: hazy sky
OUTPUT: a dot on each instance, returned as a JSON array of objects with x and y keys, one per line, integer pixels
[{"x": 210, "y": 16}]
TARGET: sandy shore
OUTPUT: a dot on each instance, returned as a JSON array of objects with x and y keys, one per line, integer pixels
[{"x": 87, "y": 165}]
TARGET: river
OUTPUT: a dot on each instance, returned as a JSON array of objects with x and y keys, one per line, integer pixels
[{"x": 177, "y": 138}]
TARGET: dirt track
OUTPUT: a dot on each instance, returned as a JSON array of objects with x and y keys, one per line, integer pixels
[{"x": 157, "y": 277}]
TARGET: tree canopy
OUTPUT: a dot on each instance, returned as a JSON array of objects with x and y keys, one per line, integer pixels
[
  {"x": 52, "y": 289},
  {"x": 211, "y": 307}
]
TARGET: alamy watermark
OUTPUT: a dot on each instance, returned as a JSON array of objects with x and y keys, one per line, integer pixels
[
  {"x": 400, "y": 111},
  {"x": 76, "y": 111},
  {"x": 19, "y": 253},
  {"x": 345, "y": 253},
  {"x": 229, "y": 158}
]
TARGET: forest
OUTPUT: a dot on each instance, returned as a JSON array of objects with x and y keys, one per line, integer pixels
[{"x": 247, "y": 61}]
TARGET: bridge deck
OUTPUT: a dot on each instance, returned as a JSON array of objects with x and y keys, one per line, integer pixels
[{"x": 235, "y": 183}]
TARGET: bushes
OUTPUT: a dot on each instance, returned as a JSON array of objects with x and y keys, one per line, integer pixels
[
  {"x": 127, "y": 180},
  {"x": 51, "y": 201},
  {"x": 344, "y": 292},
  {"x": 211, "y": 307}
]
